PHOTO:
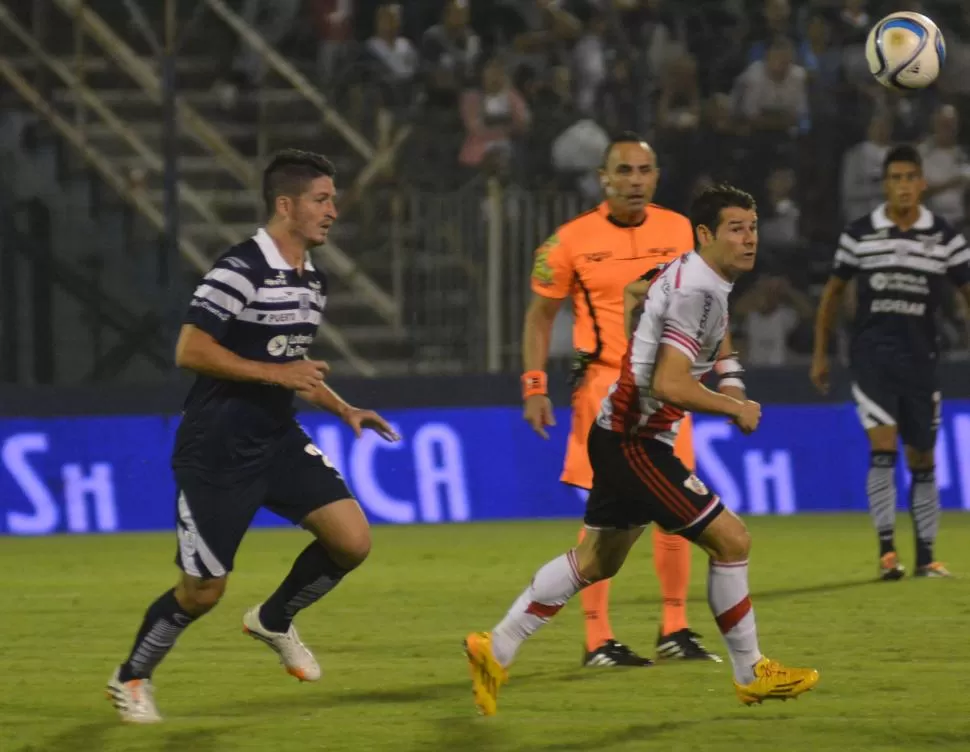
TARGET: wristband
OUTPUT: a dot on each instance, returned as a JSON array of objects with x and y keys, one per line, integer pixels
[
  {"x": 534, "y": 383},
  {"x": 728, "y": 370}
]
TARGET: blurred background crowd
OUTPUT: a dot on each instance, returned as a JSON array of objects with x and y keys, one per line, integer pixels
[{"x": 773, "y": 95}]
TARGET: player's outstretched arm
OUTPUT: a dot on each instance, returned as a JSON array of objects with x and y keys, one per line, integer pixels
[
  {"x": 828, "y": 311},
  {"x": 357, "y": 418},
  {"x": 674, "y": 383},
  {"x": 201, "y": 352}
]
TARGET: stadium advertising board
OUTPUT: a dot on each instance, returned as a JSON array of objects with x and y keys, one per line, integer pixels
[{"x": 104, "y": 474}]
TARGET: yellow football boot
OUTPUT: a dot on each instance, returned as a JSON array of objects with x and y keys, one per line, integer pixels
[
  {"x": 772, "y": 681},
  {"x": 487, "y": 673}
]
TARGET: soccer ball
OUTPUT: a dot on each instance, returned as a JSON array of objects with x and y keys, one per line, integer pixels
[{"x": 905, "y": 51}]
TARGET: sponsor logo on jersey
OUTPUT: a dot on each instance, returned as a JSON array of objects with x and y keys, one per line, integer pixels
[
  {"x": 217, "y": 312},
  {"x": 917, "y": 284},
  {"x": 277, "y": 345},
  {"x": 705, "y": 314},
  {"x": 292, "y": 346},
  {"x": 278, "y": 318},
  {"x": 904, "y": 307},
  {"x": 314, "y": 285},
  {"x": 278, "y": 281}
]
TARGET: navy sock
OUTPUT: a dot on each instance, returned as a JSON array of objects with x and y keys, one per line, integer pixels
[
  {"x": 164, "y": 621},
  {"x": 314, "y": 574}
]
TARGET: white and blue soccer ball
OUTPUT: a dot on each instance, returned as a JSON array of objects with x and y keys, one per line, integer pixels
[{"x": 905, "y": 51}]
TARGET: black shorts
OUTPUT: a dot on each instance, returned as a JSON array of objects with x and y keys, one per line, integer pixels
[
  {"x": 903, "y": 397},
  {"x": 638, "y": 481},
  {"x": 214, "y": 510}
]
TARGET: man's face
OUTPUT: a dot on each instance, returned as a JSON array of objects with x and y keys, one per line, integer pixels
[
  {"x": 312, "y": 213},
  {"x": 737, "y": 239},
  {"x": 630, "y": 176},
  {"x": 904, "y": 185}
]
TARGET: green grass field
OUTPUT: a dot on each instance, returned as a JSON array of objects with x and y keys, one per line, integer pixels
[{"x": 894, "y": 657}]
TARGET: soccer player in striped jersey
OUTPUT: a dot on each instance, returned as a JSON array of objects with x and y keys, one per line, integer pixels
[
  {"x": 238, "y": 446},
  {"x": 637, "y": 478},
  {"x": 900, "y": 255}
]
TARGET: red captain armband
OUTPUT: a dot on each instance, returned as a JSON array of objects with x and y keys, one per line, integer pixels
[{"x": 534, "y": 383}]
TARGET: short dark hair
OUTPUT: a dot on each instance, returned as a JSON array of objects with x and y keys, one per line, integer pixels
[
  {"x": 624, "y": 137},
  {"x": 902, "y": 153},
  {"x": 708, "y": 204},
  {"x": 288, "y": 173}
]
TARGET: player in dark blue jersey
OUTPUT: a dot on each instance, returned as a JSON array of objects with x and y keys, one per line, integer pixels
[
  {"x": 239, "y": 448},
  {"x": 900, "y": 256}
]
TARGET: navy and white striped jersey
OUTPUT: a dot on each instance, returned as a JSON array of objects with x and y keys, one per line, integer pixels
[
  {"x": 900, "y": 279},
  {"x": 256, "y": 305}
]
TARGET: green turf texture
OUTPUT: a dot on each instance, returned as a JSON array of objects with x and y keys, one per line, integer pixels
[{"x": 894, "y": 657}]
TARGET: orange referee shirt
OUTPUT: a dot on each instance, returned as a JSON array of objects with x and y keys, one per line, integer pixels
[{"x": 591, "y": 259}]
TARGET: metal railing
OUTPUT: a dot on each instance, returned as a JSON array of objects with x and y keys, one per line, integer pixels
[
  {"x": 519, "y": 222},
  {"x": 96, "y": 160},
  {"x": 379, "y": 159},
  {"x": 90, "y": 99},
  {"x": 466, "y": 260},
  {"x": 150, "y": 82},
  {"x": 196, "y": 126}
]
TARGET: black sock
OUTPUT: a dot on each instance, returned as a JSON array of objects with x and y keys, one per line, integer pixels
[
  {"x": 163, "y": 623},
  {"x": 924, "y": 503},
  {"x": 887, "y": 542},
  {"x": 314, "y": 574}
]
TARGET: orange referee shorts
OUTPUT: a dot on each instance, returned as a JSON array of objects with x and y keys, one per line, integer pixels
[{"x": 586, "y": 403}]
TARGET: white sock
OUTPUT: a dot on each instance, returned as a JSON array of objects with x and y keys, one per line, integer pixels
[
  {"x": 554, "y": 584},
  {"x": 727, "y": 595}
]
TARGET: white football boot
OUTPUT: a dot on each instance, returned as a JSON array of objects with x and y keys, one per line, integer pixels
[
  {"x": 294, "y": 655},
  {"x": 134, "y": 700}
]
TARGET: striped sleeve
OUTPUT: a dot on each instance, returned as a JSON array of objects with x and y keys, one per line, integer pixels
[
  {"x": 228, "y": 287},
  {"x": 846, "y": 262},
  {"x": 958, "y": 260},
  {"x": 688, "y": 318}
]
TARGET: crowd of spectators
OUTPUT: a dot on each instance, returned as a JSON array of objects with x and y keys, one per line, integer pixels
[{"x": 774, "y": 95}]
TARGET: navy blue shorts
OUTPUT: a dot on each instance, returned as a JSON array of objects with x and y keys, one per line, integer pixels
[
  {"x": 214, "y": 510},
  {"x": 906, "y": 398}
]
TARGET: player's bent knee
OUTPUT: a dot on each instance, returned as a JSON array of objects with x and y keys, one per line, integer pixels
[
  {"x": 596, "y": 569},
  {"x": 357, "y": 553},
  {"x": 598, "y": 563},
  {"x": 199, "y": 596},
  {"x": 727, "y": 538},
  {"x": 352, "y": 550}
]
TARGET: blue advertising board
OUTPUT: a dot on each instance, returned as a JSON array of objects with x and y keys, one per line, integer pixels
[{"x": 111, "y": 473}]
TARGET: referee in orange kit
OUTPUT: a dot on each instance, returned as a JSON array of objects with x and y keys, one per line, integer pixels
[{"x": 596, "y": 259}]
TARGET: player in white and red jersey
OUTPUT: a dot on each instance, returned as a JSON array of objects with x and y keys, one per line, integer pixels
[{"x": 637, "y": 479}]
